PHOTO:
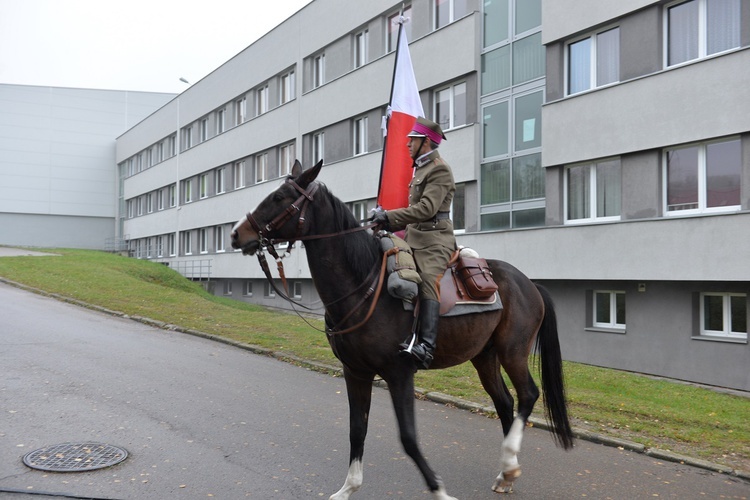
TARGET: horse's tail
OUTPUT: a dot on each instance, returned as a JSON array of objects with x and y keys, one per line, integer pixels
[{"x": 553, "y": 384}]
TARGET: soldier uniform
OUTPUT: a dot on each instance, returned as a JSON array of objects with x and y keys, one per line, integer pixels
[{"x": 429, "y": 231}]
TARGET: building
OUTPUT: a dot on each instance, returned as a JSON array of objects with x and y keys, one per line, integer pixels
[
  {"x": 602, "y": 147},
  {"x": 57, "y": 148}
]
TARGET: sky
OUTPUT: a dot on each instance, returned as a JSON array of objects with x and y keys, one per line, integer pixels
[{"x": 142, "y": 45}]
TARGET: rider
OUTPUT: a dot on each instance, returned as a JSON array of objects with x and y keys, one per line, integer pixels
[{"x": 429, "y": 230}]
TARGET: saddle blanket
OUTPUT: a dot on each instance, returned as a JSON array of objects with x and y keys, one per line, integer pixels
[{"x": 466, "y": 307}]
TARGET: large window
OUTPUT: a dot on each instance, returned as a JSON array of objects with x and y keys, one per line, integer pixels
[
  {"x": 593, "y": 191},
  {"x": 699, "y": 28},
  {"x": 528, "y": 121},
  {"x": 724, "y": 315},
  {"x": 361, "y": 44},
  {"x": 703, "y": 177},
  {"x": 392, "y": 24},
  {"x": 204, "y": 130},
  {"x": 286, "y": 84},
  {"x": 203, "y": 186},
  {"x": 261, "y": 167},
  {"x": 240, "y": 110},
  {"x": 188, "y": 190},
  {"x": 450, "y": 106},
  {"x": 187, "y": 243},
  {"x": 512, "y": 193},
  {"x": 203, "y": 240},
  {"x": 359, "y": 139},
  {"x": 447, "y": 11},
  {"x": 220, "y": 239},
  {"x": 287, "y": 155},
  {"x": 319, "y": 70},
  {"x": 261, "y": 100},
  {"x": 594, "y": 61},
  {"x": 609, "y": 309},
  {"x": 238, "y": 174},
  {"x": 496, "y": 131},
  {"x": 220, "y": 180},
  {"x": 220, "y": 123}
]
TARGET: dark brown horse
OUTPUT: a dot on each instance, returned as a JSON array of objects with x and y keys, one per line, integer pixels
[{"x": 343, "y": 259}]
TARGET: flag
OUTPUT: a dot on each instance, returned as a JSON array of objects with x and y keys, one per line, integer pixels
[{"x": 405, "y": 106}]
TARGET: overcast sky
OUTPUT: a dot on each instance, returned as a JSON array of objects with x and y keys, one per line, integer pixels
[{"x": 128, "y": 44}]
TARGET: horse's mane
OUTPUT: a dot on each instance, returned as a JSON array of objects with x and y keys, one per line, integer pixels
[{"x": 361, "y": 249}]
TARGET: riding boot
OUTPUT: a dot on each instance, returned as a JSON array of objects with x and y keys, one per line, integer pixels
[{"x": 422, "y": 351}]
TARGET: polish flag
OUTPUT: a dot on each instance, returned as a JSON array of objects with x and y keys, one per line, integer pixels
[{"x": 405, "y": 107}]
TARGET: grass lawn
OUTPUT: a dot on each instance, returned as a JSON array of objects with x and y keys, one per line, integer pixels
[{"x": 683, "y": 418}]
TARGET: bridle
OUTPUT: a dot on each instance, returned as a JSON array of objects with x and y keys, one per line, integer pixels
[{"x": 300, "y": 206}]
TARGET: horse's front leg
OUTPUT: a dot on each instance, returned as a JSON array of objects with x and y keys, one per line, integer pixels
[
  {"x": 359, "y": 392},
  {"x": 401, "y": 389}
]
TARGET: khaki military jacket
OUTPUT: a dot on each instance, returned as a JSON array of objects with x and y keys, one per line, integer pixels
[{"x": 430, "y": 191}]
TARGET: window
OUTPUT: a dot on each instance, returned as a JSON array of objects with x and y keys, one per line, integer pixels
[
  {"x": 528, "y": 121},
  {"x": 703, "y": 177},
  {"x": 227, "y": 287},
  {"x": 261, "y": 100},
  {"x": 219, "y": 179},
  {"x": 529, "y": 59},
  {"x": 361, "y": 44},
  {"x": 149, "y": 203},
  {"x": 248, "y": 289},
  {"x": 220, "y": 124},
  {"x": 219, "y": 239},
  {"x": 268, "y": 290},
  {"x": 723, "y": 315},
  {"x": 131, "y": 209},
  {"x": 160, "y": 199},
  {"x": 593, "y": 191},
  {"x": 172, "y": 195},
  {"x": 240, "y": 111},
  {"x": 187, "y": 138},
  {"x": 496, "y": 70},
  {"x": 512, "y": 193},
  {"x": 360, "y": 136},
  {"x": 496, "y": 21},
  {"x": 609, "y": 309},
  {"x": 450, "y": 106},
  {"x": 700, "y": 28},
  {"x": 188, "y": 190},
  {"x": 187, "y": 243},
  {"x": 319, "y": 70},
  {"x": 238, "y": 174},
  {"x": 139, "y": 160},
  {"x": 318, "y": 146},
  {"x": 528, "y": 15},
  {"x": 359, "y": 210},
  {"x": 139, "y": 201},
  {"x": 496, "y": 130},
  {"x": 287, "y": 155},
  {"x": 447, "y": 11},
  {"x": 160, "y": 152},
  {"x": 594, "y": 61},
  {"x": 203, "y": 186},
  {"x": 203, "y": 240},
  {"x": 392, "y": 24},
  {"x": 261, "y": 168},
  {"x": 151, "y": 157},
  {"x": 171, "y": 245},
  {"x": 297, "y": 289},
  {"x": 286, "y": 85},
  {"x": 160, "y": 246},
  {"x": 204, "y": 129}
]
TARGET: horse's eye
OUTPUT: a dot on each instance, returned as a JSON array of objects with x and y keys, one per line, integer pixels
[{"x": 278, "y": 197}]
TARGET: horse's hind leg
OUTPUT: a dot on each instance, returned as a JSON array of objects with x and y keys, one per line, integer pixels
[
  {"x": 359, "y": 392},
  {"x": 488, "y": 369}
]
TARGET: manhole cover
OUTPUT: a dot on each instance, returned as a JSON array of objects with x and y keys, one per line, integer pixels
[{"x": 75, "y": 457}]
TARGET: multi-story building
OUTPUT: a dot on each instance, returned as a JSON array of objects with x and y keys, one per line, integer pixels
[
  {"x": 602, "y": 147},
  {"x": 57, "y": 148}
]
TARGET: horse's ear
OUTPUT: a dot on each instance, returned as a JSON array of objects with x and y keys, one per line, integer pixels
[
  {"x": 296, "y": 168},
  {"x": 309, "y": 175}
]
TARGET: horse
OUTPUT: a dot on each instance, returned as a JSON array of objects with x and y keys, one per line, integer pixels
[{"x": 364, "y": 328}]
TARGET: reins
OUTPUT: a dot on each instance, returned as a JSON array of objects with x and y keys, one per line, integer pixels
[{"x": 300, "y": 206}]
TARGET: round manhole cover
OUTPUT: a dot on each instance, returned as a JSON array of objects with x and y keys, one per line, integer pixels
[{"x": 75, "y": 457}]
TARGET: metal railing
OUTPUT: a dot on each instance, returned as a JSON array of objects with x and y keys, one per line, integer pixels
[{"x": 193, "y": 269}]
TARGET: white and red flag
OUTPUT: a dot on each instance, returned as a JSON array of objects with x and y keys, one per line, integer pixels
[{"x": 405, "y": 106}]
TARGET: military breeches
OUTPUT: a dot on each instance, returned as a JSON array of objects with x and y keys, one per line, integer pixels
[{"x": 431, "y": 264}]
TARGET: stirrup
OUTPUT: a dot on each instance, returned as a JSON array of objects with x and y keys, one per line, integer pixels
[{"x": 406, "y": 347}]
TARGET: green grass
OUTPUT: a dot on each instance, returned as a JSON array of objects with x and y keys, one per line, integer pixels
[{"x": 654, "y": 412}]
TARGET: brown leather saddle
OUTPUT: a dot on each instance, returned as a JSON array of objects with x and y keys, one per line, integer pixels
[{"x": 467, "y": 280}]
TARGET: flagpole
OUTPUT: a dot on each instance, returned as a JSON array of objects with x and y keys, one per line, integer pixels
[{"x": 401, "y": 21}]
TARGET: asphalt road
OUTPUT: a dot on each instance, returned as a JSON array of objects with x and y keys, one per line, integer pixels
[{"x": 202, "y": 419}]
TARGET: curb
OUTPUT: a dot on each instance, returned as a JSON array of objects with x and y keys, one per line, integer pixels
[{"x": 434, "y": 396}]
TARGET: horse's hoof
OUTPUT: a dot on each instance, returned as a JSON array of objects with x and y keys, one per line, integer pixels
[{"x": 504, "y": 482}]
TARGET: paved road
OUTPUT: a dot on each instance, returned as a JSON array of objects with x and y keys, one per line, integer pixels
[{"x": 205, "y": 420}]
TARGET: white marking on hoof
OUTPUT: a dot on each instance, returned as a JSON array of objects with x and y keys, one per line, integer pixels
[
  {"x": 353, "y": 482},
  {"x": 504, "y": 482},
  {"x": 440, "y": 494}
]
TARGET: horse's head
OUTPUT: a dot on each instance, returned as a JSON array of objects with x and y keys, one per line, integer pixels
[{"x": 280, "y": 216}]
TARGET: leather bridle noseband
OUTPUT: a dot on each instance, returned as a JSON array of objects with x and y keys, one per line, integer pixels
[{"x": 299, "y": 206}]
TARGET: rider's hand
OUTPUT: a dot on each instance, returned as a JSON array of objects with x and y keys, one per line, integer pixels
[{"x": 380, "y": 218}]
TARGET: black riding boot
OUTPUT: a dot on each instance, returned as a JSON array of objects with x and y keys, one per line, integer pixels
[{"x": 429, "y": 315}]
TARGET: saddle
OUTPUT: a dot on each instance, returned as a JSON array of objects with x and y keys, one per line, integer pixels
[{"x": 467, "y": 281}]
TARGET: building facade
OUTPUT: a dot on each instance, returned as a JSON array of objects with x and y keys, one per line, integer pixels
[
  {"x": 57, "y": 148},
  {"x": 602, "y": 147}
]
